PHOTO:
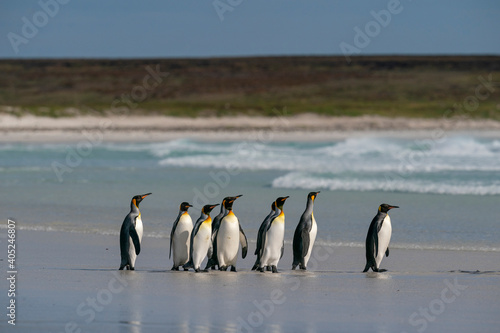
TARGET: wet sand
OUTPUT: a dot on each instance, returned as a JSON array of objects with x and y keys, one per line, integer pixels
[{"x": 69, "y": 281}]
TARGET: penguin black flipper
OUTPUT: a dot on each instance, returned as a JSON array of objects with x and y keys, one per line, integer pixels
[
  {"x": 261, "y": 239},
  {"x": 196, "y": 228},
  {"x": 213, "y": 261},
  {"x": 372, "y": 242},
  {"x": 260, "y": 242},
  {"x": 297, "y": 246},
  {"x": 135, "y": 239},
  {"x": 261, "y": 236},
  {"x": 387, "y": 252},
  {"x": 244, "y": 243},
  {"x": 282, "y": 249},
  {"x": 258, "y": 246},
  {"x": 305, "y": 242},
  {"x": 125, "y": 241},
  {"x": 301, "y": 239},
  {"x": 174, "y": 227}
]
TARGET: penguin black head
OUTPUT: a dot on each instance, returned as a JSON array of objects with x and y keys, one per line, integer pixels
[
  {"x": 184, "y": 207},
  {"x": 281, "y": 201},
  {"x": 208, "y": 208},
  {"x": 136, "y": 200},
  {"x": 384, "y": 208},
  {"x": 228, "y": 201},
  {"x": 312, "y": 195}
]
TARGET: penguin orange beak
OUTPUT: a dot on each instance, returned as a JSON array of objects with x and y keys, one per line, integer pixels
[
  {"x": 212, "y": 207},
  {"x": 391, "y": 207},
  {"x": 240, "y": 195},
  {"x": 145, "y": 195}
]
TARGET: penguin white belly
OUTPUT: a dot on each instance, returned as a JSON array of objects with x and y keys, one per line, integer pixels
[
  {"x": 182, "y": 236},
  {"x": 274, "y": 242},
  {"x": 384, "y": 237},
  {"x": 201, "y": 244},
  {"x": 228, "y": 241},
  {"x": 312, "y": 239},
  {"x": 131, "y": 251}
]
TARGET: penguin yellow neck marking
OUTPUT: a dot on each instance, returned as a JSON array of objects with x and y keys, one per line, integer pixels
[
  {"x": 135, "y": 203},
  {"x": 280, "y": 218},
  {"x": 208, "y": 220},
  {"x": 185, "y": 213},
  {"x": 230, "y": 213}
]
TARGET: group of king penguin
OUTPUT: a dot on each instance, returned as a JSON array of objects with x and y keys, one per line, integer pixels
[{"x": 219, "y": 239}]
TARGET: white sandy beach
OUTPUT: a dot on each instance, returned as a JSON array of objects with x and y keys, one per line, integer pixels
[{"x": 157, "y": 128}]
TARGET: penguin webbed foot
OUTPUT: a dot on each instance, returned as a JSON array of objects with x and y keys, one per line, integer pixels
[
  {"x": 367, "y": 267},
  {"x": 233, "y": 268},
  {"x": 275, "y": 269},
  {"x": 223, "y": 268},
  {"x": 261, "y": 269},
  {"x": 268, "y": 268},
  {"x": 293, "y": 267},
  {"x": 124, "y": 267},
  {"x": 375, "y": 269}
]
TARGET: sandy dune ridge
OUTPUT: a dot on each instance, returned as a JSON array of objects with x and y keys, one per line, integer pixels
[{"x": 159, "y": 128}]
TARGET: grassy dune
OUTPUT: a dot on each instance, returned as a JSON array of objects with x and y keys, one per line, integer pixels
[{"x": 380, "y": 85}]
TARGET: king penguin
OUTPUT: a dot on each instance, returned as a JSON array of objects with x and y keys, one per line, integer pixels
[
  {"x": 201, "y": 239},
  {"x": 228, "y": 238},
  {"x": 212, "y": 262},
  {"x": 263, "y": 227},
  {"x": 180, "y": 236},
  {"x": 305, "y": 234},
  {"x": 378, "y": 238},
  {"x": 273, "y": 238},
  {"x": 131, "y": 234}
]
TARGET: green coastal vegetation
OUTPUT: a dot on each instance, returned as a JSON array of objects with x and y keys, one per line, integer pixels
[{"x": 392, "y": 86}]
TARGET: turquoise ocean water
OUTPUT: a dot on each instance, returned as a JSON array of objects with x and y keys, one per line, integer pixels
[{"x": 448, "y": 190}]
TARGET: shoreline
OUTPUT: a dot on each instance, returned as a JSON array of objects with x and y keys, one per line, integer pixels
[
  {"x": 305, "y": 127},
  {"x": 83, "y": 269}
]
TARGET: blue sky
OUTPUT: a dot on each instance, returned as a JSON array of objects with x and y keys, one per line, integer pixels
[{"x": 193, "y": 28}]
